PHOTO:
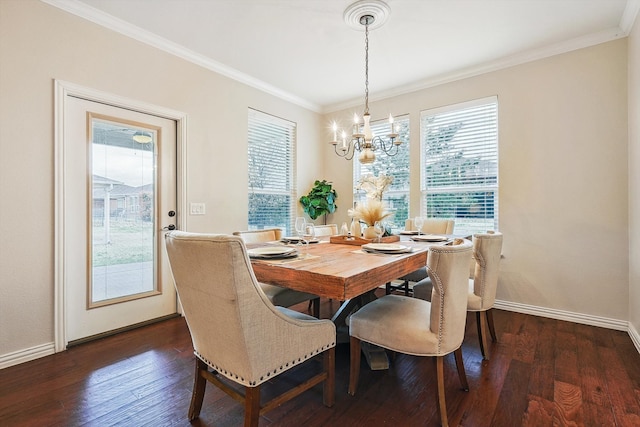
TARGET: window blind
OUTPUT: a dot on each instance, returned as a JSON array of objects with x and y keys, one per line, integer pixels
[
  {"x": 459, "y": 164},
  {"x": 271, "y": 154},
  {"x": 397, "y": 195}
]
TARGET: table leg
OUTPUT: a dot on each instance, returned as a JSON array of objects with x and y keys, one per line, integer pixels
[{"x": 376, "y": 356}]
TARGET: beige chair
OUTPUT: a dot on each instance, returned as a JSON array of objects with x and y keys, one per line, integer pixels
[
  {"x": 483, "y": 283},
  {"x": 238, "y": 335},
  {"x": 482, "y": 288},
  {"x": 260, "y": 236},
  {"x": 417, "y": 327},
  {"x": 322, "y": 231},
  {"x": 326, "y": 230},
  {"x": 431, "y": 226},
  {"x": 278, "y": 295}
]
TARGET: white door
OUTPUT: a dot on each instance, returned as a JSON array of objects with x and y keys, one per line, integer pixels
[{"x": 119, "y": 198}]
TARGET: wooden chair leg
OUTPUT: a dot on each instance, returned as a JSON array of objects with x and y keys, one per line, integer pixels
[
  {"x": 199, "y": 385},
  {"x": 442, "y": 405},
  {"x": 492, "y": 328},
  {"x": 481, "y": 321},
  {"x": 252, "y": 406},
  {"x": 354, "y": 371},
  {"x": 461, "y": 372},
  {"x": 329, "y": 385}
]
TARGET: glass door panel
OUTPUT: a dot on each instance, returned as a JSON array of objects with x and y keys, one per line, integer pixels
[{"x": 123, "y": 206}]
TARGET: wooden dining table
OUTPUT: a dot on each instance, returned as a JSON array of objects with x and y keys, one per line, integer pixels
[
  {"x": 343, "y": 272},
  {"x": 339, "y": 271}
]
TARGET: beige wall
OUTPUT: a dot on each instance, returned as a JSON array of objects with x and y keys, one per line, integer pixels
[
  {"x": 563, "y": 159},
  {"x": 40, "y": 43},
  {"x": 634, "y": 179},
  {"x": 563, "y": 175}
]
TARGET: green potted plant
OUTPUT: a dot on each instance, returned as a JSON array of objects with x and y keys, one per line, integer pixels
[{"x": 321, "y": 200}]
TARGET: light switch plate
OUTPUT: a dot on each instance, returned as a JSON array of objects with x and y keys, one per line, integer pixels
[{"x": 197, "y": 209}]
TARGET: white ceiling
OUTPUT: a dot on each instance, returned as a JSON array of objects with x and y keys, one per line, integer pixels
[{"x": 303, "y": 51}]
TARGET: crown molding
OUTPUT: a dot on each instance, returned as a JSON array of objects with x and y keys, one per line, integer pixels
[
  {"x": 499, "y": 64},
  {"x": 629, "y": 15},
  {"x": 96, "y": 16}
]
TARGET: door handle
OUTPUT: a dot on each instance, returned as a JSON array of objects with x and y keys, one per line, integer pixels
[{"x": 169, "y": 227}]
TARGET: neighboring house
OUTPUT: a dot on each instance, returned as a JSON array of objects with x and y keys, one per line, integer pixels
[{"x": 125, "y": 202}]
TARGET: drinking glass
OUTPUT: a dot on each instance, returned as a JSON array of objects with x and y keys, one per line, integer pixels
[
  {"x": 378, "y": 227},
  {"x": 309, "y": 233},
  {"x": 344, "y": 230},
  {"x": 419, "y": 223},
  {"x": 301, "y": 222}
]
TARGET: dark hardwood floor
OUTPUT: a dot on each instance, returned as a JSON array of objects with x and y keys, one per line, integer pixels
[{"x": 542, "y": 372}]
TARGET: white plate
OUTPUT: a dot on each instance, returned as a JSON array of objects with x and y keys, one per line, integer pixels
[
  {"x": 270, "y": 251},
  {"x": 296, "y": 240},
  {"x": 429, "y": 238},
  {"x": 385, "y": 247}
]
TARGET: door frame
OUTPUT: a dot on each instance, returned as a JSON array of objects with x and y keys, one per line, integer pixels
[{"x": 62, "y": 91}]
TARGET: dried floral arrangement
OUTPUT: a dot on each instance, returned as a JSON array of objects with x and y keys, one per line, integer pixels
[
  {"x": 370, "y": 212},
  {"x": 374, "y": 186}
]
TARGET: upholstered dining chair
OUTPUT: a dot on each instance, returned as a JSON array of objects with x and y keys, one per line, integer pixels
[
  {"x": 483, "y": 283},
  {"x": 239, "y": 337},
  {"x": 322, "y": 231},
  {"x": 326, "y": 230},
  {"x": 260, "y": 236},
  {"x": 417, "y": 327},
  {"x": 431, "y": 226},
  {"x": 277, "y": 294}
]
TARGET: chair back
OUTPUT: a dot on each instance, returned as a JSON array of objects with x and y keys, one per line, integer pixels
[
  {"x": 234, "y": 328},
  {"x": 487, "y": 251},
  {"x": 448, "y": 267},
  {"x": 326, "y": 230},
  {"x": 260, "y": 236},
  {"x": 432, "y": 226}
]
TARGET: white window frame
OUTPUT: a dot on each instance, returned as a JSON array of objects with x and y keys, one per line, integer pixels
[
  {"x": 286, "y": 169},
  {"x": 474, "y": 140},
  {"x": 382, "y": 128}
]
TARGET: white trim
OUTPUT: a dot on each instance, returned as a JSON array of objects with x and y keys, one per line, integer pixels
[
  {"x": 59, "y": 335},
  {"x": 635, "y": 336},
  {"x": 629, "y": 15},
  {"x": 112, "y": 23},
  {"x": 26, "y": 355},
  {"x": 569, "y": 316},
  {"x": 493, "y": 99},
  {"x": 127, "y": 29},
  {"x": 499, "y": 64},
  {"x": 62, "y": 90}
]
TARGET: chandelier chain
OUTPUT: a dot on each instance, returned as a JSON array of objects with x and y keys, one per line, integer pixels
[
  {"x": 366, "y": 67},
  {"x": 363, "y": 140}
]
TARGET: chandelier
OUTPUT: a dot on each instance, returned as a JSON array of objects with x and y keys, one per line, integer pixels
[{"x": 362, "y": 139}]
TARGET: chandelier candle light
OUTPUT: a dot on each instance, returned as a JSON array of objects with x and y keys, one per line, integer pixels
[{"x": 362, "y": 139}]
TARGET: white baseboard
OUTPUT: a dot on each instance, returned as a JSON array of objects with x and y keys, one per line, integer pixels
[
  {"x": 635, "y": 336},
  {"x": 21, "y": 356},
  {"x": 569, "y": 316},
  {"x": 26, "y": 355}
]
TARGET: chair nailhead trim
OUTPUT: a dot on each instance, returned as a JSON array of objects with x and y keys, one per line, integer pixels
[{"x": 241, "y": 379}]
